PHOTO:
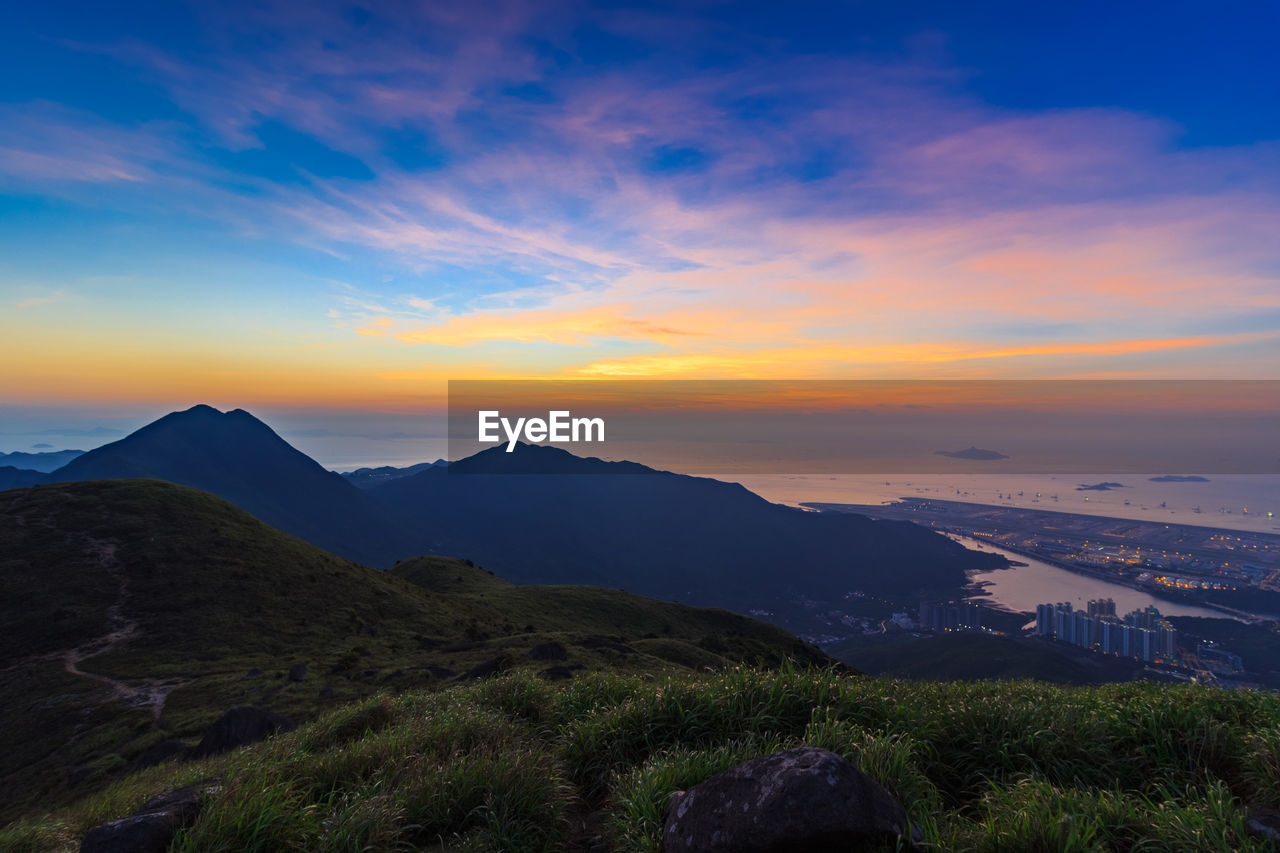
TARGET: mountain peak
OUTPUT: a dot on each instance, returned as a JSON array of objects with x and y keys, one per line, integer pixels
[
  {"x": 541, "y": 459},
  {"x": 238, "y": 457}
]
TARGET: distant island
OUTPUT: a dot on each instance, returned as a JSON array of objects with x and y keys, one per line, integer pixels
[
  {"x": 971, "y": 453},
  {"x": 1100, "y": 487},
  {"x": 1179, "y": 478}
]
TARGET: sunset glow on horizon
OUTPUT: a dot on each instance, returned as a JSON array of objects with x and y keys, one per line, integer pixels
[{"x": 339, "y": 207}]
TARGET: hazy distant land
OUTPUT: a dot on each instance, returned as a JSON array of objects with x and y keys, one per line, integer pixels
[{"x": 972, "y": 452}]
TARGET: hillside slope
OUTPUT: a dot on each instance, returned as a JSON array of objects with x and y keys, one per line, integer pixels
[
  {"x": 975, "y": 657},
  {"x": 137, "y": 610},
  {"x": 656, "y": 533}
]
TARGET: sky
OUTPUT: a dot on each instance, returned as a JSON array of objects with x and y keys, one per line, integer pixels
[{"x": 322, "y": 212}]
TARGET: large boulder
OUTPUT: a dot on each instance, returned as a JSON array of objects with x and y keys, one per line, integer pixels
[
  {"x": 161, "y": 752},
  {"x": 238, "y": 727},
  {"x": 151, "y": 828},
  {"x": 802, "y": 800}
]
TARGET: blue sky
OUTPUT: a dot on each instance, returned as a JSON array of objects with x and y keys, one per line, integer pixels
[{"x": 337, "y": 207}]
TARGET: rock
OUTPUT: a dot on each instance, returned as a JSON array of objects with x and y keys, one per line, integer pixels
[
  {"x": 487, "y": 668},
  {"x": 327, "y": 692},
  {"x": 238, "y": 727},
  {"x": 548, "y": 651},
  {"x": 297, "y": 672},
  {"x": 556, "y": 673},
  {"x": 252, "y": 674},
  {"x": 160, "y": 753},
  {"x": 152, "y": 827},
  {"x": 1264, "y": 822},
  {"x": 802, "y": 800},
  {"x": 598, "y": 642}
]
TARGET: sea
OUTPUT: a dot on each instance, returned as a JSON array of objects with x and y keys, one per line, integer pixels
[{"x": 1237, "y": 502}]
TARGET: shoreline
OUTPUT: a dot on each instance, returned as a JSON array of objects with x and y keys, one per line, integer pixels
[{"x": 1097, "y": 575}]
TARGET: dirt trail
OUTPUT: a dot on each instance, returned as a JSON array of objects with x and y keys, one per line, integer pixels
[{"x": 152, "y": 693}]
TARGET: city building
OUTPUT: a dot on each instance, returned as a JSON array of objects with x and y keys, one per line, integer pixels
[
  {"x": 1142, "y": 634},
  {"x": 942, "y": 617}
]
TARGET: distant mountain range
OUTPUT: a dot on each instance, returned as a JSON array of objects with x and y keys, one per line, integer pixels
[
  {"x": 45, "y": 461},
  {"x": 657, "y": 533},
  {"x": 566, "y": 519},
  {"x": 975, "y": 453},
  {"x": 17, "y": 478},
  {"x": 366, "y": 477}
]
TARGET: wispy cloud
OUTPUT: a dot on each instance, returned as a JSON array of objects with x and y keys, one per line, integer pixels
[
  {"x": 488, "y": 193},
  {"x": 44, "y": 299}
]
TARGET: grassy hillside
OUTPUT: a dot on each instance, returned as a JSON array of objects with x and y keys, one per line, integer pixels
[
  {"x": 973, "y": 657},
  {"x": 137, "y": 611},
  {"x": 517, "y": 764},
  {"x": 599, "y": 618}
]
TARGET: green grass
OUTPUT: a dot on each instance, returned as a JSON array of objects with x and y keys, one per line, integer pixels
[
  {"x": 514, "y": 763},
  {"x": 216, "y": 593},
  {"x": 404, "y": 751}
]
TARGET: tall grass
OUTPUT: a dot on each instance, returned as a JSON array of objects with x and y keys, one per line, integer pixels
[{"x": 513, "y": 763}]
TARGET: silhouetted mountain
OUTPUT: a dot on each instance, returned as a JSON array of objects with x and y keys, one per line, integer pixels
[
  {"x": 238, "y": 457},
  {"x": 18, "y": 478},
  {"x": 565, "y": 519},
  {"x": 45, "y": 461},
  {"x": 621, "y": 524},
  {"x": 540, "y": 459},
  {"x": 366, "y": 477}
]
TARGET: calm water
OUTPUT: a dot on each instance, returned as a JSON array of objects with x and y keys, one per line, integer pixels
[
  {"x": 1235, "y": 502},
  {"x": 1024, "y": 587}
]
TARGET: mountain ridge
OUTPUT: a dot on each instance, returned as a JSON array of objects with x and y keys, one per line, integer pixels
[
  {"x": 568, "y": 520},
  {"x": 138, "y": 610}
]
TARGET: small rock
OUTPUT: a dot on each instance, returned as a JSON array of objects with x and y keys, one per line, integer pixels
[
  {"x": 160, "y": 753},
  {"x": 252, "y": 674},
  {"x": 297, "y": 672},
  {"x": 598, "y": 642},
  {"x": 486, "y": 669},
  {"x": 802, "y": 800},
  {"x": 559, "y": 672},
  {"x": 152, "y": 827},
  {"x": 327, "y": 692},
  {"x": 548, "y": 651},
  {"x": 238, "y": 727}
]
